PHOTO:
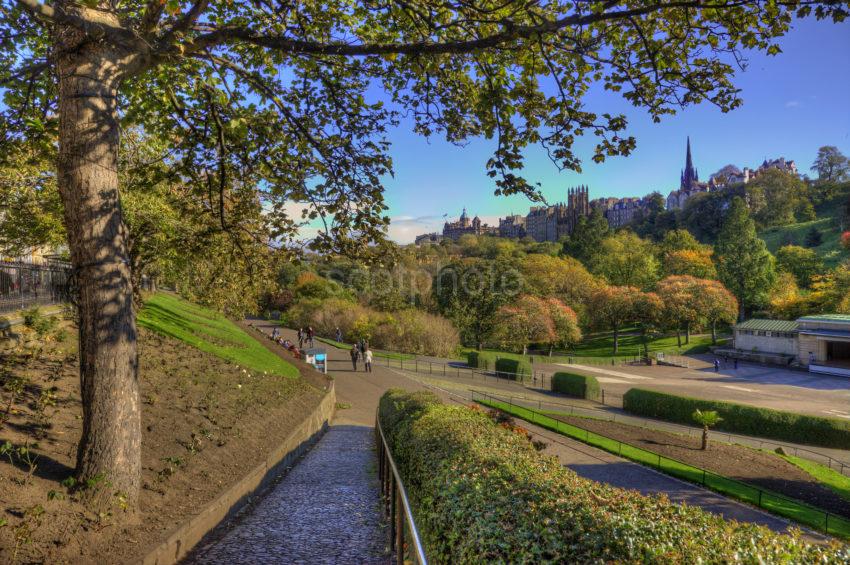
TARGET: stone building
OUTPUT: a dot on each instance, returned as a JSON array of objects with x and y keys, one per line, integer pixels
[
  {"x": 550, "y": 223},
  {"x": 428, "y": 239},
  {"x": 463, "y": 226},
  {"x": 689, "y": 183},
  {"x": 512, "y": 226},
  {"x": 820, "y": 343}
]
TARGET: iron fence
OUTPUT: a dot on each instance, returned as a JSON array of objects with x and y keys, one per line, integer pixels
[{"x": 24, "y": 284}]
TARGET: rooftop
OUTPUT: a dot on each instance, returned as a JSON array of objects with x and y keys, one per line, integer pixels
[
  {"x": 842, "y": 318},
  {"x": 768, "y": 325}
]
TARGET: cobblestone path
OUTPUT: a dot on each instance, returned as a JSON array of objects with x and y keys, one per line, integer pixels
[{"x": 325, "y": 510}]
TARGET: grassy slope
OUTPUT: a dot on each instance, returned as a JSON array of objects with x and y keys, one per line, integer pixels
[
  {"x": 830, "y": 250},
  {"x": 828, "y": 477},
  {"x": 211, "y": 332}
]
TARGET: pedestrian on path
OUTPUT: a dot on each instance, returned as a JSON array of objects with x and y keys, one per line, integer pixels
[
  {"x": 338, "y": 335},
  {"x": 367, "y": 359},
  {"x": 310, "y": 334},
  {"x": 300, "y": 338},
  {"x": 736, "y": 363},
  {"x": 355, "y": 355},
  {"x": 275, "y": 333},
  {"x": 716, "y": 365}
]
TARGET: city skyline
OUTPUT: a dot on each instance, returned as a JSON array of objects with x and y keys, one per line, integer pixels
[{"x": 784, "y": 96}]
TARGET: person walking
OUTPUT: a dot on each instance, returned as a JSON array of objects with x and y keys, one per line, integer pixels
[
  {"x": 310, "y": 334},
  {"x": 716, "y": 365},
  {"x": 736, "y": 363},
  {"x": 338, "y": 335},
  {"x": 361, "y": 345},
  {"x": 355, "y": 355},
  {"x": 367, "y": 359},
  {"x": 275, "y": 333},
  {"x": 300, "y": 338}
]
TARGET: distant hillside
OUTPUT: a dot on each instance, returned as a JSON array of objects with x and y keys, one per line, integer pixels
[{"x": 828, "y": 213}]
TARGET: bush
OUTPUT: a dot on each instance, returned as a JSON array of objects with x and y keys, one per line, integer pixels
[
  {"x": 472, "y": 358},
  {"x": 580, "y": 386},
  {"x": 512, "y": 366},
  {"x": 482, "y": 494},
  {"x": 38, "y": 322},
  {"x": 741, "y": 419},
  {"x": 406, "y": 331}
]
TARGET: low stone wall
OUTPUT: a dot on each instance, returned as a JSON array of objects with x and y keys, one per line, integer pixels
[
  {"x": 762, "y": 358},
  {"x": 186, "y": 536}
]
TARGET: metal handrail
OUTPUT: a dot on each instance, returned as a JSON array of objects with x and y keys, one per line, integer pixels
[{"x": 394, "y": 494}]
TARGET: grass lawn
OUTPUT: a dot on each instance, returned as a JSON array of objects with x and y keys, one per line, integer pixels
[
  {"x": 211, "y": 332},
  {"x": 767, "y": 500},
  {"x": 828, "y": 477},
  {"x": 376, "y": 353},
  {"x": 601, "y": 345}
]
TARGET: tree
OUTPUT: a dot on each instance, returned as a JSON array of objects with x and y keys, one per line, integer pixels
[
  {"x": 625, "y": 259},
  {"x": 801, "y": 262},
  {"x": 470, "y": 291},
  {"x": 679, "y": 295},
  {"x": 707, "y": 419},
  {"x": 814, "y": 238},
  {"x": 285, "y": 93},
  {"x": 744, "y": 264},
  {"x": 588, "y": 234},
  {"x": 715, "y": 304},
  {"x": 831, "y": 165},
  {"x": 564, "y": 278},
  {"x": 696, "y": 263},
  {"x": 774, "y": 198},
  {"x": 530, "y": 319},
  {"x": 703, "y": 214},
  {"x": 611, "y": 308}
]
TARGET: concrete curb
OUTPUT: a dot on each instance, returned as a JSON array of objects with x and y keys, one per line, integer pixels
[{"x": 183, "y": 539}]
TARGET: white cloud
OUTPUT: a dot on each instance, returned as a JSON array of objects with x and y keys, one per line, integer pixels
[{"x": 792, "y": 104}]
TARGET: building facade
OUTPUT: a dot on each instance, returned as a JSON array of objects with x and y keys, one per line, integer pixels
[
  {"x": 464, "y": 226},
  {"x": 512, "y": 226}
]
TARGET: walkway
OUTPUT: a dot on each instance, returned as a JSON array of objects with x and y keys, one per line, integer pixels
[{"x": 325, "y": 510}]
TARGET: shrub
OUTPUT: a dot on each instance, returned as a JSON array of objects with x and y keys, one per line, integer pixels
[
  {"x": 407, "y": 331},
  {"x": 482, "y": 494},
  {"x": 35, "y": 320},
  {"x": 742, "y": 419},
  {"x": 472, "y": 358},
  {"x": 517, "y": 367},
  {"x": 580, "y": 386}
]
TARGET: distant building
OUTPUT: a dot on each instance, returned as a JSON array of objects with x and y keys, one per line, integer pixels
[
  {"x": 624, "y": 211},
  {"x": 512, "y": 226},
  {"x": 689, "y": 183},
  {"x": 428, "y": 239},
  {"x": 738, "y": 176},
  {"x": 464, "y": 226},
  {"x": 551, "y": 223}
]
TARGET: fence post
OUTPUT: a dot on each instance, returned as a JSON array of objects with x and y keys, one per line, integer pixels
[
  {"x": 603, "y": 397},
  {"x": 760, "y": 491}
]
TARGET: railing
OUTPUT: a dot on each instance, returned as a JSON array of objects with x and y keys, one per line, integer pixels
[
  {"x": 396, "y": 505},
  {"x": 25, "y": 284},
  {"x": 773, "y": 502}
]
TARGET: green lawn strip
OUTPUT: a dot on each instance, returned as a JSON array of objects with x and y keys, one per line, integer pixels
[
  {"x": 828, "y": 477},
  {"x": 375, "y": 352},
  {"x": 771, "y": 502},
  {"x": 211, "y": 332}
]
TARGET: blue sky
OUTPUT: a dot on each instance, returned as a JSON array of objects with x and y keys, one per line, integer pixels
[{"x": 794, "y": 103}]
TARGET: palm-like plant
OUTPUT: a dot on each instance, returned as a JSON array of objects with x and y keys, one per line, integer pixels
[{"x": 706, "y": 419}]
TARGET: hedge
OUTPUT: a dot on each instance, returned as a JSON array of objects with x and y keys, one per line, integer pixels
[
  {"x": 494, "y": 361},
  {"x": 482, "y": 493},
  {"x": 572, "y": 384},
  {"x": 741, "y": 418}
]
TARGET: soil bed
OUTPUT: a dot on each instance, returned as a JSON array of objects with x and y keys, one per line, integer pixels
[
  {"x": 205, "y": 422},
  {"x": 757, "y": 468}
]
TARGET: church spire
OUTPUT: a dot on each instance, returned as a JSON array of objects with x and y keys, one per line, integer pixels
[{"x": 689, "y": 175}]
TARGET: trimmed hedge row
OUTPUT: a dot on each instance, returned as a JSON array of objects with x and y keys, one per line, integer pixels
[
  {"x": 482, "y": 494},
  {"x": 572, "y": 384},
  {"x": 493, "y": 361},
  {"x": 741, "y": 418}
]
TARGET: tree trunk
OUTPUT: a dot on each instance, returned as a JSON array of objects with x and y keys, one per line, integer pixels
[
  {"x": 110, "y": 446},
  {"x": 713, "y": 332},
  {"x": 616, "y": 339},
  {"x": 687, "y": 332},
  {"x": 704, "y": 438},
  {"x": 679, "y": 337},
  {"x": 524, "y": 348}
]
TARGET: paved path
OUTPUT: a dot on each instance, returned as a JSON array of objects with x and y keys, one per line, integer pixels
[{"x": 325, "y": 510}]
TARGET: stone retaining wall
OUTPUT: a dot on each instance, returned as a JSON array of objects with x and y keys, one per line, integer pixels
[{"x": 186, "y": 536}]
